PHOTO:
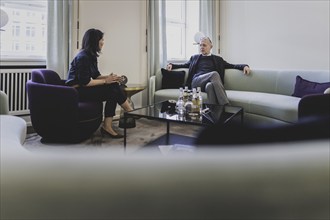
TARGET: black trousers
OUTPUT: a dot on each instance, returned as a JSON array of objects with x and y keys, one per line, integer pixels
[{"x": 110, "y": 93}]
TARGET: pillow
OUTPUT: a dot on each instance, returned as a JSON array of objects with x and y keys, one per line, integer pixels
[
  {"x": 172, "y": 79},
  {"x": 304, "y": 87}
]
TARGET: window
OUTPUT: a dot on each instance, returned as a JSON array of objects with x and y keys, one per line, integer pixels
[
  {"x": 24, "y": 35},
  {"x": 182, "y": 22},
  {"x": 15, "y": 30}
]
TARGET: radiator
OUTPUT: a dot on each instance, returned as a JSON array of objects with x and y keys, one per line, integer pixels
[{"x": 13, "y": 83}]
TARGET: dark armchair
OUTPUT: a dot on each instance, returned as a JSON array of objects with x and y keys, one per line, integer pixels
[
  {"x": 56, "y": 113},
  {"x": 314, "y": 105}
]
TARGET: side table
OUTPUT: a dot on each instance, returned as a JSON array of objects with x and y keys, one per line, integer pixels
[{"x": 130, "y": 90}]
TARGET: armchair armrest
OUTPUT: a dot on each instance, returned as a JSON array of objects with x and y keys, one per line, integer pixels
[
  {"x": 314, "y": 105},
  {"x": 63, "y": 82},
  {"x": 60, "y": 100}
]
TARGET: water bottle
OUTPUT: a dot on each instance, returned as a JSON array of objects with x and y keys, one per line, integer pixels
[
  {"x": 188, "y": 105},
  {"x": 195, "y": 101},
  {"x": 185, "y": 94},
  {"x": 180, "y": 103},
  {"x": 200, "y": 99}
]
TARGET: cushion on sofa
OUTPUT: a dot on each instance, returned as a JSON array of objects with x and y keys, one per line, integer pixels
[
  {"x": 305, "y": 87},
  {"x": 172, "y": 79}
]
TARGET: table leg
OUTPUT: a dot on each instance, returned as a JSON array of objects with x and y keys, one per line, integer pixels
[
  {"x": 242, "y": 117},
  {"x": 125, "y": 132},
  {"x": 127, "y": 122},
  {"x": 167, "y": 132}
]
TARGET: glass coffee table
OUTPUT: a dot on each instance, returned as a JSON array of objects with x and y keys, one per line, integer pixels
[{"x": 165, "y": 111}]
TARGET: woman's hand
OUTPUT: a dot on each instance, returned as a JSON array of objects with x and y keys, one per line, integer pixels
[{"x": 112, "y": 78}]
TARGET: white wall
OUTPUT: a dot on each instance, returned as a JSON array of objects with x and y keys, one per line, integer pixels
[
  {"x": 275, "y": 34},
  {"x": 124, "y": 25}
]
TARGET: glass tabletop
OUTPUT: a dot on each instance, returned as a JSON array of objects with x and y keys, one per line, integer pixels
[{"x": 166, "y": 111}]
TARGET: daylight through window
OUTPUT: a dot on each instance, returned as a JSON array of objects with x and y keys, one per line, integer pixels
[
  {"x": 23, "y": 30},
  {"x": 182, "y": 22}
]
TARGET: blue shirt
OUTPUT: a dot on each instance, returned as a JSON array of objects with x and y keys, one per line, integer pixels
[{"x": 83, "y": 68}]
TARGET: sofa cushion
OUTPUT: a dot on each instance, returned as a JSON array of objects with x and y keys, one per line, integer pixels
[
  {"x": 305, "y": 87},
  {"x": 281, "y": 107},
  {"x": 166, "y": 94},
  {"x": 172, "y": 79}
]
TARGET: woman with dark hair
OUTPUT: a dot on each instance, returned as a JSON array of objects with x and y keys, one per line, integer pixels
[{"x": 85, "y": 76}]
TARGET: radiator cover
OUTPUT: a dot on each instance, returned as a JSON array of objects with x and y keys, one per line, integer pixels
[{"x": 13, "y": 83}]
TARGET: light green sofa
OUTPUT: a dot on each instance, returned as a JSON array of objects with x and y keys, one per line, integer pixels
[
  {"x": 12, "y": 128},
  {"x": 4, "y": 108},
  {"x": 265, "y": 95}
]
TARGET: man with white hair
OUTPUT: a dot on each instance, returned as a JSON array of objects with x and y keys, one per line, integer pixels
[{"x": 207, "y": 67}]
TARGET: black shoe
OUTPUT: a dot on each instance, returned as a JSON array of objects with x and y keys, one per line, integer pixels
[{"x": 104, "y": 132}]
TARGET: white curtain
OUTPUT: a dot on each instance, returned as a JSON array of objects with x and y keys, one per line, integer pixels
[
  {"x": 207, "y": 18},
  {"x": 157, "y": 54},
  {"x": 156, "y": 40},
  {"x": 58, "y": 42}
]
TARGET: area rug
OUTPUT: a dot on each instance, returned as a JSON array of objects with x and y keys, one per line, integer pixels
[{"x": 146, "y": 131}]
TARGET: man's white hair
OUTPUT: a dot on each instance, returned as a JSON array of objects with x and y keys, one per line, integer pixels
[{"x": 206, "y": 38}]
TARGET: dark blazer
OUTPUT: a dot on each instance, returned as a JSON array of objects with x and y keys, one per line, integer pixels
[
  {"x": 220, "y": 65},
  {"x": 83, "y": 68}
]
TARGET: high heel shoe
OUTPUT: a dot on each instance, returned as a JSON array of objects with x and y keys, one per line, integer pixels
[{"x": 104, "y": 132}]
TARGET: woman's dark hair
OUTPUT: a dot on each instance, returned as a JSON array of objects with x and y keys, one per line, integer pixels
[{"x": 91, "y": 40}]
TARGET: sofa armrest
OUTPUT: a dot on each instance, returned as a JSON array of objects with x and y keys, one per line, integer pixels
[
  {"x": 4, "y": 108},
  {"x": 152, "y": 89},
  {"x": 13, "y": 131},
  {"x": 314, "y": 105}
]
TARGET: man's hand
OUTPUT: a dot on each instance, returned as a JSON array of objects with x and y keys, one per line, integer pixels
[
  {"x": 246, "y": 70},
  {"x": 169, "y": 67}
]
